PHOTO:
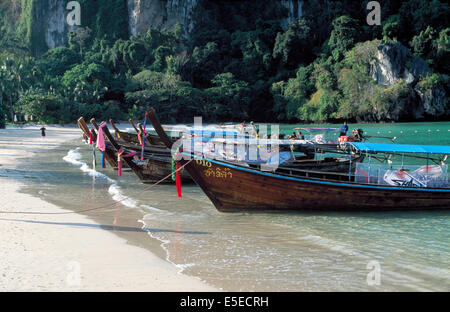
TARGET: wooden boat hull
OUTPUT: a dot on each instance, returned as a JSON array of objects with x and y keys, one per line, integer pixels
[
  {"x": 152, "y": 141},
  {"x": 327, "y": 164},
  {"x": 110, "y": 153},
  {"x": 233, "y": 188},
  {"x": 155, "y": 166},
  {"x": 133, "y": 139}
]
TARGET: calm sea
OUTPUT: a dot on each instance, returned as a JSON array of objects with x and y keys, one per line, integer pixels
[{"x": 402, "y": 251}]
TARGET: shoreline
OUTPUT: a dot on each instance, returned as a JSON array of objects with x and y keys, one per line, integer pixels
[{"x": 62, "y": 250}]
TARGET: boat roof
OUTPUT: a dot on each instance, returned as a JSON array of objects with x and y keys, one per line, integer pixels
[
  {"x": 252, "y": 141},
  {"x": 316, "y": 129},
  {"x": 401, "y": 148},
  {"x": 213, "y": 133}
]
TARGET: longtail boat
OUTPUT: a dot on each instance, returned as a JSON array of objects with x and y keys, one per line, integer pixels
[
  {"x": 152, "y": 141},
  {"x": 240, "y": 150},
  {"x": 233, "y": 187},
  {"x": 136, "y": 146},
  {"x": 152, "y": 168},
  {"x": 110, "y": 154}
]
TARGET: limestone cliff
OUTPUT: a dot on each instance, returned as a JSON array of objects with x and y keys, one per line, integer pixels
[
  {"x": 293, "y": 10},
  {"x": 42, "y": 24},
  {"x": 145, "y": 14},
  {"x": 50, "y": 21},
  {"x": 45, "y": 25},
  {"x": 394, "y": 62}
]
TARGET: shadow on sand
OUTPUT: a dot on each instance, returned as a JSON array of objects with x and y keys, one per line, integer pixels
[{"x": 108, "y": 227}]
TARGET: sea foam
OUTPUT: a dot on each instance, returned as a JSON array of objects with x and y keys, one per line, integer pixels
[
  {"x": 118, "y": 196},
  {"x": 74, "y": 156}
]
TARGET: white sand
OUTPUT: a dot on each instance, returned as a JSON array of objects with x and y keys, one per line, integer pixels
[{"x": 38, "y": 255}]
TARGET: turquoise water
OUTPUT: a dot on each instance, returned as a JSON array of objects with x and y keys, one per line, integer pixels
[
  {"x": 433, "y": 133},
  {"x": 408, "y": 251}
]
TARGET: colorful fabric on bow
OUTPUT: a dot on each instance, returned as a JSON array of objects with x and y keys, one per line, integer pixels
[
  {"x": 140, "y": 137},
  {"x": 178, "y": 182},
  {"x": 143, "y": 138},
  {"x": 100, "y": 138},
  {"x": 176, "y": 172},
  {"x": 91, "y": 136},
  {"x": 119, "y": 159},
  {"x": 103, "y": 160}
]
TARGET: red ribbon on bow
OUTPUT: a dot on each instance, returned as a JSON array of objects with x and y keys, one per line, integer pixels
[
  {"x": 119, "y": 160},
  {"x": 90, "y": 137},
  {"x": 178, "y": 182},
  {"x": 177, "y": 174}
]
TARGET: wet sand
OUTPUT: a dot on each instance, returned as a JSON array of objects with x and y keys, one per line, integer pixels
[{"x": 47, "y": 248}]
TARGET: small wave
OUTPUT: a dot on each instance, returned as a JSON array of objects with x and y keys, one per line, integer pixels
[
  {"x": 73, "y": 156},
  {"x": 164, "y": 245},
  {"x": 95, "y": 173},
  {"x": 151, "y": 208},
  {"x": 332, "y": 245},
  {"x": 183, "y": 267},
  {"x": 118, "y": 196}
]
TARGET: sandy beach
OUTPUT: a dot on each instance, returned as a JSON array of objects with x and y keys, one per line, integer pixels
[{"x": 47, "y": 248}]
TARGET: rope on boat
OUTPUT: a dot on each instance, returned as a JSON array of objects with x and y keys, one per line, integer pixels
[{"x": 95, "y": 208}]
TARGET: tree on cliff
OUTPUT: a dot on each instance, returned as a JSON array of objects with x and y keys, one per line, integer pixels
[
  {"x": 342, "y": 37},
  {"x": 80, "y": 36}
]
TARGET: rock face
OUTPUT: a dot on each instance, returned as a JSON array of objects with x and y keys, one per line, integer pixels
[
  {"x": 50, "y": 26},
  {"x": 393, "y": 62},
  {"x": 433, "y": 101},
  {"x": 294, "y": 11},
  {"x": 145, "y": 14}
]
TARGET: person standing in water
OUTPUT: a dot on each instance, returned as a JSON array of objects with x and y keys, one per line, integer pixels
[
  {"x": 43, "y": 132},
  {"x": 344, "y": 129}
]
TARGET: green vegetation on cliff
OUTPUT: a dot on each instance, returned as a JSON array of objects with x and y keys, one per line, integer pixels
[{"x": 238, "y": 63}]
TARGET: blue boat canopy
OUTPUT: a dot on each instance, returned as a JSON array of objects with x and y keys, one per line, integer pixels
[
  {"x": 401, "y": 148},
  {"x": 213, "y": 133},
  {"x": 321, "y": 130}
]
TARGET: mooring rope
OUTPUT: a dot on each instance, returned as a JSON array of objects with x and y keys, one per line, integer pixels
[{"x": 95, "y": 208}]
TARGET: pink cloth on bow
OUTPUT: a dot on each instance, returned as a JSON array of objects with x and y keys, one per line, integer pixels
[{"x": 100, "y": 138}]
